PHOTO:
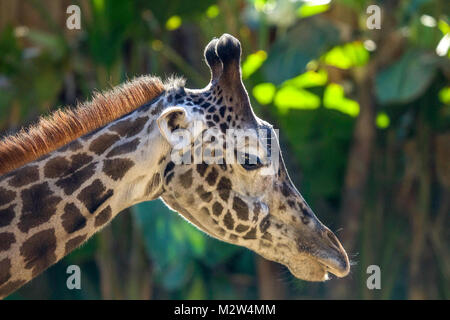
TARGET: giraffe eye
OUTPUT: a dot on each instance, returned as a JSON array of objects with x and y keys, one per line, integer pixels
[{"x": 251, "y": 162}]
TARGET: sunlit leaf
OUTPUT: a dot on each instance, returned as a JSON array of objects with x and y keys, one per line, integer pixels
[
  {"x": 347, "y": 56},
  {"x": 444, "y": 95},
  {"x": 334, "y": 98},
  {"x": 309, "y": 79},
  {"x": 173, "y": 23},
  {"x": 264, "y": 92},
  {"x": 289, "y": 97},
  {"x": 252, "y": 63},
  {"x": 443, "y": 26},
  {"x": 212, "y": 11},
  {"x": 382, "y": 120},
  {"x": 308, "y": 10}
]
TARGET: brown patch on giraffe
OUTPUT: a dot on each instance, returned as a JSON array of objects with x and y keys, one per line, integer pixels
[
  {"x": 242, "y": 228},
  {"x": 241, "y": 208},
  {"x": 94, "y": 195},
  {"x": 233, "y": 237},
  {"x": 201, "y": 168},
  {"x": 66, "y": 125},
  {"x": 305, "y": 220},
  {"x": 38, "y": 251},
  {"x": 60, "y": 167},
  {"x": 73, "y": 182},
  {"x": 103, "y": 217},
  {"x": 6, "y": 240},
  {"x": 56, "y": 167},
  {"x": 72, "y": 219},
  {"x": 267, "y": 236},
  {"x": 158, "y": 108},
  {"x": 153, "y": 184},
  {"x": 256, "y": 210},
  {"x": 6, "y": 215},
  {"x": 186, "y": 179},
  {"x": 129, "y": 127},
  {"x": 117, "y": 168},
  {"x": 211, "y": 178},
  {"x": 74, "y": 243},
  {"x": 217, "y": 208},
  {"x": 251, "y": 234},
  {"x": 124, "y": 148},
  {"x": 24, "y": 176},
  {"x": 228, "y": 221},
  {"x": 264, "y": 224},
  {"x": 220, "y": 231},
  {"x": 6, "y": 196},
  {"x": 10, "y": 287},
  {"x": 38, "y": 206},
  {"x": 190, "y": 200},
  {"x": 103, "y": 142},
  {"x": 291, "y": 204},
  {"x": 285, "y": 190},
  {"x": 5, "y": 270},
  {"x": 224, "y": 188},
  {"x": 204, "y": 195}
]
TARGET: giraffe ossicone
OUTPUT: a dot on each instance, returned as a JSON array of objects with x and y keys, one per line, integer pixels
[{"x": 54, "y": 200}]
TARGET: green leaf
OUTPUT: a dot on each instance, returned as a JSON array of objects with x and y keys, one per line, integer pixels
[
  {"x": 406, "y": 79},
  {"x": 291, "y": 53}
]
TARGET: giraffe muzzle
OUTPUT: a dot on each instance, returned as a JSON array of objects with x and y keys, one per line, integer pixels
[{"x": 332, "y": 255}]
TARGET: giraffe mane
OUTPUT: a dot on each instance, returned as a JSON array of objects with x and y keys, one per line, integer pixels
[{"x": 67, "y": 124}]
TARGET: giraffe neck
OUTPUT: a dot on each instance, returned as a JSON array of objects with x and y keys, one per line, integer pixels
[{"x": 52, "y": 205}]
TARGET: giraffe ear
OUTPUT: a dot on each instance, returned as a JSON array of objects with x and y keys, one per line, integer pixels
[{"x": 170, "y": 120}]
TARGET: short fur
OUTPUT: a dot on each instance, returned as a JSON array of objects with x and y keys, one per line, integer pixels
[{"x": 66, "y": 125}]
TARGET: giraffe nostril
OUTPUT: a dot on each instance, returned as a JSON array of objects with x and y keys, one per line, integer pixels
[{"x": 330, "y": 235}]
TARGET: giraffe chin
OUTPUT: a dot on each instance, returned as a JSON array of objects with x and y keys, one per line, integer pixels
[
  {"x": 317, "y": 269},
  {"x": 309, "y": 269}
]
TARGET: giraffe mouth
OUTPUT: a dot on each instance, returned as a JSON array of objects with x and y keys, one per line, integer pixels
[{"x": 334, "y": 267}]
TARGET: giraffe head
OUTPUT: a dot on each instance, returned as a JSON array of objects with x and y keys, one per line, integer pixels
[{"x": 225, "y": 174}]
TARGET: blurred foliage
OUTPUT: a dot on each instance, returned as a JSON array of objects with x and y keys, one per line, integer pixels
[{"x": 304, "y": 64}]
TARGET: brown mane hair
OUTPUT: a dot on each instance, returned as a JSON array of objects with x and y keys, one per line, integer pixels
[{"x": 63, "y": 126}]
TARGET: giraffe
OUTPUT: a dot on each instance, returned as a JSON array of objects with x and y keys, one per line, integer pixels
[{"x": 68, "y": 177}]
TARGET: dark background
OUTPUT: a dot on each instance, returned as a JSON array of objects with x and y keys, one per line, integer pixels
[{"x": 364, "y": 120}]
